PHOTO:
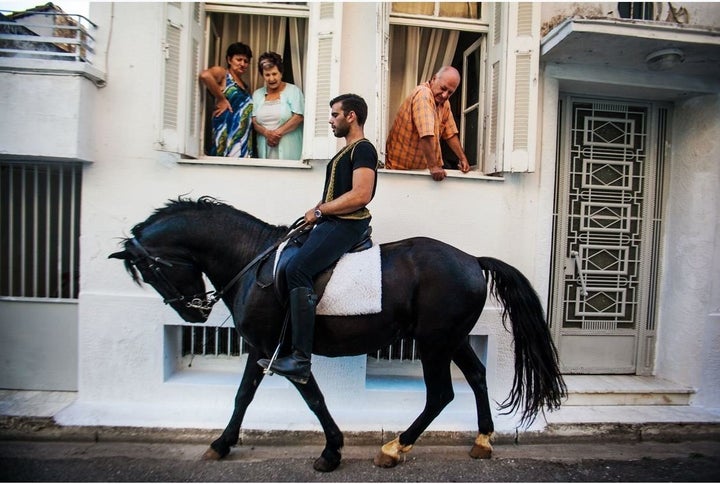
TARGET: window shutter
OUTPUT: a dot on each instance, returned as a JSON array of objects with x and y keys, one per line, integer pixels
[
  {"x": 383, "y": 47},
  {"x": 195, "y": 63},
  {"x": 495, "y": 92},
  {"x": 181, "y": 95},
  {"x": 514, "y": 63},
  {"x": 323, "y": 62},
  {"x": 171, "y": 46}
]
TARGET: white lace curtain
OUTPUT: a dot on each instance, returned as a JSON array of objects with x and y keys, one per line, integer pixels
[
  {"x": 416, "y": 53},
  {"x": 262, "y": 34}
]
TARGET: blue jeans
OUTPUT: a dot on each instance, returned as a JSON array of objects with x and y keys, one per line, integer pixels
[{"x": 327, "y": 242}]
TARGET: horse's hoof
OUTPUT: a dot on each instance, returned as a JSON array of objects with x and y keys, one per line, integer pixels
[
  {"x": 211, "y": 454},
  {"x": 321, "y": 464},
  {"x": 482, "y": 449},
  {"x": 478, "y": 452},
  {"x": 384, "y": 460},
  {"x": 389, "y": 454}
]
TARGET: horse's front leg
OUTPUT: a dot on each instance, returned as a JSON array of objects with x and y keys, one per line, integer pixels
[
  {"x": 329, "y": 460},
  {"x": 251, "y": 379}
]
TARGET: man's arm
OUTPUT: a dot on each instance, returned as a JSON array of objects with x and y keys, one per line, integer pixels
[
  {"x": 360, "y": 195},
  {"x": 427, "y": 147},
  {"x": 454, "y": 144}
]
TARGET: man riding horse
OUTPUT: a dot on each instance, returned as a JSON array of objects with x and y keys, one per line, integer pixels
[{"x": 341, "y": 220}]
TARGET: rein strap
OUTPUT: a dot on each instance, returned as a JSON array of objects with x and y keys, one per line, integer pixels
[{"x": 214, "y": 297}]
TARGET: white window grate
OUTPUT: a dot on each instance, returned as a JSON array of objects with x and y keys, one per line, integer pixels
[{"x": 224, "y": 341}]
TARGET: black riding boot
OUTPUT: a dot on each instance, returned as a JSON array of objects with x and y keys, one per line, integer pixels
[{"x": 296, "y": 366}]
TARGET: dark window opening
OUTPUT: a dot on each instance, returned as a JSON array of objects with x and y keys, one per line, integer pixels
[
  {"x": 40, "y": 227},
  {"x": 636, "y": 10}
]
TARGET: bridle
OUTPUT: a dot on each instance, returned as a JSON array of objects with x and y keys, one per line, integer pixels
[
  {"x": 155, "y": 264},
  {"x": 204, "y": 302}
]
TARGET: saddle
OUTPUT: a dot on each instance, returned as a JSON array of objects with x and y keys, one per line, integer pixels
[{"x": 271, "y": 270}]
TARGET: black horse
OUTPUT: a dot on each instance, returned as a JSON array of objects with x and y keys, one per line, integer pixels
[{"x": 431, "y": 291}]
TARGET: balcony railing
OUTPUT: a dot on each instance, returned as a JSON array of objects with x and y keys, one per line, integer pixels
[
  {"x": 48, "y": 41},
  {"x": 47, "y": 35}
]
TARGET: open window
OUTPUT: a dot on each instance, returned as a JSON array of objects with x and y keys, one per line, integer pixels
[
  {"x": 197, "y": 36},
  {"x": 276, "y": 31},
  {"x": 495, "y": 47},
  {"x": 424, "y": 36}
]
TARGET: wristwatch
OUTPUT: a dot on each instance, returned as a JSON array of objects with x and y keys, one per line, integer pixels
[{"x": 318, "y": 213}]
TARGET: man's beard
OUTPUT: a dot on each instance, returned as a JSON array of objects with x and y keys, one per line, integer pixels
[{"x": 341, "y": 131}]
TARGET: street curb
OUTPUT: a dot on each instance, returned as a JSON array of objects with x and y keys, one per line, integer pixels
[{"x": 46, "y": 429}]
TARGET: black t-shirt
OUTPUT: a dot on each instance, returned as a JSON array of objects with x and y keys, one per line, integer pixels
[{"x": 361, "y": 154}]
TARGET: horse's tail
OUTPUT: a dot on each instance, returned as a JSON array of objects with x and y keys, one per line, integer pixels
[{"x": 538, "y": 383}]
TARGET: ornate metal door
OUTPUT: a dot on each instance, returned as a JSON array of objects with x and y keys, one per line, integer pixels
[{"x": 606, "y": 236}]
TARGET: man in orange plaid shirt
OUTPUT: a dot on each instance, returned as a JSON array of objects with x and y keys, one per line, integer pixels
[{"x": 422, "y": 120}]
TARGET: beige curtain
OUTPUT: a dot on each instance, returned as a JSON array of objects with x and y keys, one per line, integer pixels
[
  {"x": 445, "y": 9},
  {"x": 416, "y": 53}
]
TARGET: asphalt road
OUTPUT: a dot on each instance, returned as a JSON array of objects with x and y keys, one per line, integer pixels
[{"x": 692, "y": 461}]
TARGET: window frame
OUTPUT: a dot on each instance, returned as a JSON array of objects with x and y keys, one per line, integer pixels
[
  {"x": 266, "y": 9},
  {"x": 479, "y": 26}
]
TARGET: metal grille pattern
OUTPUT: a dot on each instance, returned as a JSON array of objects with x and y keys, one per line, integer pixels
[
  {"x": 403, "y": 350},
  {"x": 212, "y": 341},
  {"x": 608, "y": 156},
  {"x": 224, "y": 341}
]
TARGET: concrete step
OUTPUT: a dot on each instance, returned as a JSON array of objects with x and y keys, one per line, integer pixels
[{"x": 595, "y": 390}]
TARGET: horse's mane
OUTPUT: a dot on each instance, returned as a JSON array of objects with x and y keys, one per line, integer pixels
[{"x": 204, "y": 203}]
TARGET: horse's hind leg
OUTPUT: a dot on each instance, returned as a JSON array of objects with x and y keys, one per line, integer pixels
[
  {"x": 474, "y": 371},
  {"x": 436, "y": 373},
  {"x": 329, "y": 460},
  {"x": 251, "y": 379}
]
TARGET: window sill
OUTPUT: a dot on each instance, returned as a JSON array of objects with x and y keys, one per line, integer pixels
[
  {"x": 31, "y": 299},
  {"x": 473, "y": 175},
  {"x": 219, "y": 160},
  {"x": 53, "y": 67}
]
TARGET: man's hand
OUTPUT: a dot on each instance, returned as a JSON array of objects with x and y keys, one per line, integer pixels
[
  {"x": 438, "y": 173},
  {"x": 464, "y": 166},
  {"x": 310, "y": 217}
]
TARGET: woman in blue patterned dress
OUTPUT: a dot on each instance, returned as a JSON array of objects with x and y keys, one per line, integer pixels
[{"x": 232, "y": 117}]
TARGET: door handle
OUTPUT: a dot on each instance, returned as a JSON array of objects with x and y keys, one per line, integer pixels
[{"x": 583, "y": 287}]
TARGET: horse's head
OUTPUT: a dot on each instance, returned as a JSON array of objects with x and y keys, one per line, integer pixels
[
  {"x": 176, "y": 277},
  {"x": 173, "y": 246}
]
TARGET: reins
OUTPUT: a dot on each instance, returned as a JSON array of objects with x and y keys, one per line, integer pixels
[
  {"x": 213, "y": 297},
  {"x": 208, "y": 300}
]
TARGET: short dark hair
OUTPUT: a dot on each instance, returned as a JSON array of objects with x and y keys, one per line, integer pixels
[
  {"x": 269, "y": 60},
  {"x": 238, "y": 48},
  {"x": 352, "y": 102}
]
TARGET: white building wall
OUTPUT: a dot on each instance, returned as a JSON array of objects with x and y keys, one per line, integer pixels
[
  {"x": 123, "y": 329},
  {"x": 123, "y": 367},
  {"x": 688, "y": 300},
  {"x": 689, "y": 329},
  {"x": 691, "y": 13},
  {"x": 45, "y": 115}
]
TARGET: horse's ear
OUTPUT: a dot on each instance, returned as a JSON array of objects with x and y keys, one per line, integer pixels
[{"x": 123, "y": 254}]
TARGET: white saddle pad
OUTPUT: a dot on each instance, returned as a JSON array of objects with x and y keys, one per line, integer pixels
[{"x": 355, "y": 286}]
